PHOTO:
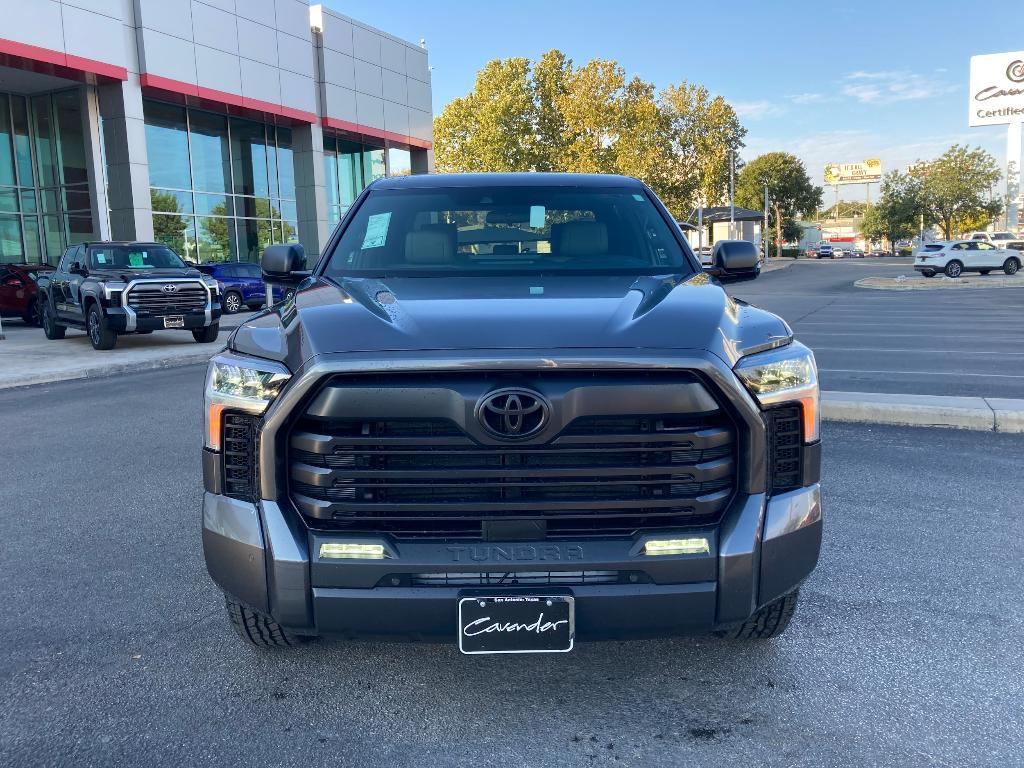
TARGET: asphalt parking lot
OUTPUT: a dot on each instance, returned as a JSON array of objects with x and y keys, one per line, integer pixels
[
  {"x": 966, "y": 342},
  {"x": 905, "y": 651}
]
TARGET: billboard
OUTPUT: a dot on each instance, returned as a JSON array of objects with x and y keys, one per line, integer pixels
[
  {"x": 853, "y": 173},
  {"x": 997, "y": 89}
]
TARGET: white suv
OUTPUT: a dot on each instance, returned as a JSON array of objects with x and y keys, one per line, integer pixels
[{"x": 958, "y": 256}]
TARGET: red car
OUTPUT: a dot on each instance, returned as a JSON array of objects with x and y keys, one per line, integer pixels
[{"x": 18, "y": 290}]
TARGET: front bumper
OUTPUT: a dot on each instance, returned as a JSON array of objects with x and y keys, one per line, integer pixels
[
  {"x": 265, "y": 557},
  {"x": 125, "y": 322}
]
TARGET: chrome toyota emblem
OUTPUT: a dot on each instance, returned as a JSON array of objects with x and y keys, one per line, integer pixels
[
  {"x": 170, "y": 288},
  {"x": 513, "y": 414}
]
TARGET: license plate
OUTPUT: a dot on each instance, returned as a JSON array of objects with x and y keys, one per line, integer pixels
[
  {"x": 174, "y": 321},
  {"x": 520, "y": 624}
]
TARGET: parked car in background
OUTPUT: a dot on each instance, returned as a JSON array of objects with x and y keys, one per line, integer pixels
[
  {"x": 958, "y": 256},
  {"x": 111, "y": 288},
  {"x": 998, "y": 239},
  {"x": 826, "y": 251},
  {"x": 19, "y": 289},
  {"x": 856, "y": 253},
  {"x": 878, "y": 253},
  {"x": 241, "y": 285}
]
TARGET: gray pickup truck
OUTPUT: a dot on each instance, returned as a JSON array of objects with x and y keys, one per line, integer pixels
[
  {"x": 510, "y": 412},
  {"x": 112, "y": 288}
]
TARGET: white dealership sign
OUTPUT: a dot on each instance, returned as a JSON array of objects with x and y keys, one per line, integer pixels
[{"x": 997, "y": 89}]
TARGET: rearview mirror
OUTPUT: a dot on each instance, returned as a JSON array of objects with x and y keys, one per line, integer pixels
[{"x": 284, "y": 264}]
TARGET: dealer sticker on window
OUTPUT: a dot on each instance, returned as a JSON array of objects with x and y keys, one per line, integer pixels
[{"x": 377, "y": 230}]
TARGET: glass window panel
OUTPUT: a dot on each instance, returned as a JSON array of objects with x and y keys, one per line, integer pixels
[
  {"x": 285, "y": 163},
  {"x": 290, "y": 231},
  {"x": 22, "y": 143},
  {"x": 170, "y": 201},
  {"x": 177, "y": 232},
  {"x": 275, "y": 186},
  {"x": 53, "y": 235},
  {"x": 214, "y": 205},
  {"x": 211, "y": 161},
  {"x": 253, "y": 236},
  {"x": 8, "y": 201},
  {"x": 33, "y": 248},
  {"x": 289, "y": 210},
  {"x": 6, "y": 148},
  {"x": 167, "y": 145},
  {"x": 46, "y": 159},
  {"x": 333, "y": 215},
  {"x": 28, "y": 201},
  {"x": 79, "y": 229},
  {"x": 10, "y": 240},
  {"x": 70, "y": 137},
  {"x": 350, "y": 171},
  {"x": 373, "y": 164},
  {"x": 50, "y": 200},
  {"x": 331, "y": 177},
  {"x": 249, "y": 158},
  {"x": 400, "y": 161},
  {"x": 216, "y": 239},
  {"x": 77, "y": 198},
  {"x": 252, "y": 207}
]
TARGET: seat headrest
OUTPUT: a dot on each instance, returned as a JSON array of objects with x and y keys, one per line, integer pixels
[
  {"x": 579, "y": 238},
  {"x": 430, "y": 246}
]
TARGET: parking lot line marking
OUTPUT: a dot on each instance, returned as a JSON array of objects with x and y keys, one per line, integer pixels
[{"x": 925, "y": 373}]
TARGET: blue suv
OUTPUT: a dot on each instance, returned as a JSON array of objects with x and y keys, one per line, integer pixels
[{"x": 241, "y": 285}]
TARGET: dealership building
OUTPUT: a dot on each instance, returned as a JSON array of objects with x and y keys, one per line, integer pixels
[{"x": 216, "y": 126}]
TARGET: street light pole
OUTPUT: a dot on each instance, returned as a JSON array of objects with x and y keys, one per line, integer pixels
[{"x": 732, "y": 193}]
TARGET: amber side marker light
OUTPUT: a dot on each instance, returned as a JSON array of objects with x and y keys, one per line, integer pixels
[
  {"x": 347, "y": 549},
  {"x": 694, "y": 546}
]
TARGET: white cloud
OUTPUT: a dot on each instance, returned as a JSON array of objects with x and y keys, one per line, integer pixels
[
  {"x": 757, "y": 110},
  {"x": 887, "y": 87},
  {"x": 808, "y": 98}
]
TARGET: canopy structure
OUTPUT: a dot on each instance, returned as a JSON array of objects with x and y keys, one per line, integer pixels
[{"x": 720, "y": 213}]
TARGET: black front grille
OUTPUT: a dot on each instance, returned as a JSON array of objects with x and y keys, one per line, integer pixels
[
  {"x": 601, "y": 475},
  {"x": 785, "y": 436},
  {"x": 513, "y": 579},
  {"x": 239, "y": 455},
  {"x": 150, "y": 299}
]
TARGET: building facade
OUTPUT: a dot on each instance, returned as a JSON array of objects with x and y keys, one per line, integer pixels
[{"x": 216, "y": 126}]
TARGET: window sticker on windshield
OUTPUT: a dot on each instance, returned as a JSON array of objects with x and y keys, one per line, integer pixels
[
  {"x": 377, "y": 230},
  {"x": 135, "y": 260},
  {"x": 638, "y": 198},
  {"x": 101, "y": 258},
  {"x": 537, "y": 216}
]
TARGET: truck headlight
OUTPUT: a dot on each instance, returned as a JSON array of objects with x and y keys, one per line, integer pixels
[
  {"x": 785, "y": 375},
  {"x": 212, "y": 283},
  {"x": 239, "y": 383}
]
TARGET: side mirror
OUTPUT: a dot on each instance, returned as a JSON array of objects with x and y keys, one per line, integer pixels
[
  {"x": 78, "y": 269},
  {"x": 13, "y": 282},
  {"x": 735, "y": 260},
  {"x": 284, "y": 264}
]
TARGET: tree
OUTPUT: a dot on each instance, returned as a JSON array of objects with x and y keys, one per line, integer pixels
[
  {"x": 955, "y": 188},
  {"x": 168, "y": 227},
  {"x": 551, "y": 115},
  {"x": 790, "y": 191},
  {"x": 895, "y": 215}
]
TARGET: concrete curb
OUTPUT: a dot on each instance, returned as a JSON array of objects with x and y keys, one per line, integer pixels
[
  {"x": 976, "y": 413},
  {"x": 937, "y": 283},
  {"x": 100, "y": 371}
]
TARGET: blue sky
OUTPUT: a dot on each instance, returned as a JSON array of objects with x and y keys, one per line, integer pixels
[{"x": 830, "y": 82}]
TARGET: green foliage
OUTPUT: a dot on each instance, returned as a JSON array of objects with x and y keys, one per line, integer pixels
[
  {"x": 846, "y": 209},
  {"x": 956, "y": 187},
  {"x": 790, "y": 191},
  {"x": 168, "y": 228},
  {"x": 895, "y": 215},
  {"x": 550, "y": 115}
]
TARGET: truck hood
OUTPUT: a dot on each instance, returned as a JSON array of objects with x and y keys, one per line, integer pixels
[
  {"x": 134, "y": 274},
  {"x": 403, "y": 315}
]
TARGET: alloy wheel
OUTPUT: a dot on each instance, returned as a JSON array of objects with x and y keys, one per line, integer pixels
[{"x": 94, "y": 328}]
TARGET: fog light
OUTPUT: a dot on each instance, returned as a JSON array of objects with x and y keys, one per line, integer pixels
[
  {"x": 695, "y": 546},
  {"x": 347, "y": 549}
]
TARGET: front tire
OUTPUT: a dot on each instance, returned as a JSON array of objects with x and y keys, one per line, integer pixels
[
  {"x": 101, "y": 337},
  {"x": 206, "y": 335},
  {"x": 51, "y": 328},
  {"x": 257, "y": 629},
  {"x": 232, "y": 302},
  {"x": 770, "y": 621},
  {"x": 1011, "y": 265},
  {"x": 954, "y": 269}
]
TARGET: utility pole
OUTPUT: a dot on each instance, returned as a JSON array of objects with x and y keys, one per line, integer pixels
[
  {"x": 766, "y": 221},
  {"x": 732, "y": 194}
]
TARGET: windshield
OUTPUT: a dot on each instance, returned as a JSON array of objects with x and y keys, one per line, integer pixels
[
  {"x": 508, "y": 230},
  {"x": 133, "y": 257},
  {"x": 1002, "y": 236}
]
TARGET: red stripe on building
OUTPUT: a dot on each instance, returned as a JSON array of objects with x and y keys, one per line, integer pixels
[
  {"x": 212, "y": 97},
  {"x": 365, "y": 130},
  {"x": 57, "y": 63}
]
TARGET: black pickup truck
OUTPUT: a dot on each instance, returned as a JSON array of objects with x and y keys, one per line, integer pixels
[
  {"x": 110, "y": 288},
  {"x": 509, "y": 412}
]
